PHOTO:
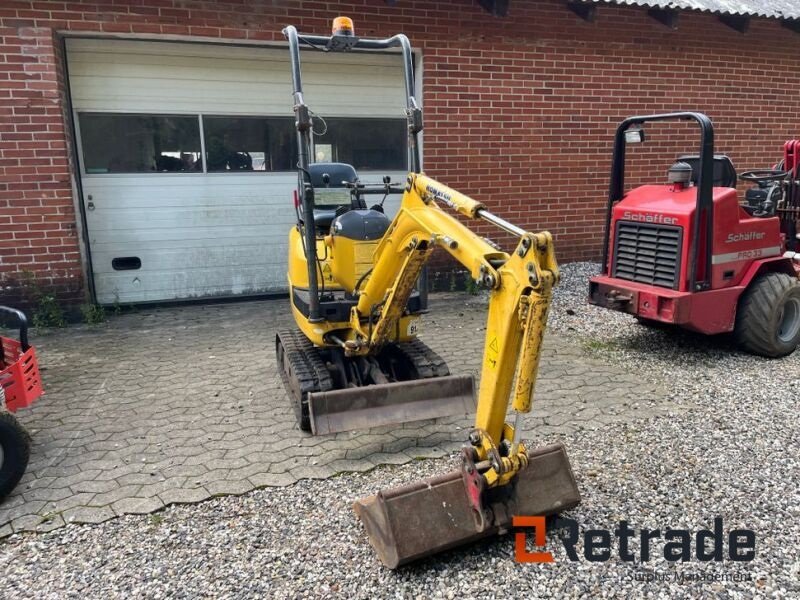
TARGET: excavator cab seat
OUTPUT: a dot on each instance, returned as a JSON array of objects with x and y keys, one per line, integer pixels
[
  {"x": 724, "y": 171},
  {"x": 331, "y": 193}
]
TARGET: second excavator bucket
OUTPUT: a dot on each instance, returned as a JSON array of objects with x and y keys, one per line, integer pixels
[
  {"x": 390, "y": 403},
  {"x": 433, "y": 515}
]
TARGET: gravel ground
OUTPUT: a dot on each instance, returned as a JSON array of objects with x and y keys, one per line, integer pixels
[{"x": 728, "y": 448}]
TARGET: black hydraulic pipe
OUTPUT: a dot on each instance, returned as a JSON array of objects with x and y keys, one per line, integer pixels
[{"x": 705, "y": 203}]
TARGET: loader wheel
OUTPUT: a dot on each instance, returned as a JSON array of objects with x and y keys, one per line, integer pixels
[
  {"x": 768, "y": 318},
  {"x": 15, "y": 450}
]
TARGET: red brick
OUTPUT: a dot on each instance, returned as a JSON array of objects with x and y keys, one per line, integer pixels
[{"x": 520, "y": 112}]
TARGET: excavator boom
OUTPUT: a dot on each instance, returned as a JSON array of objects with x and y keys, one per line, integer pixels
[{"x": 498, "y": 478}]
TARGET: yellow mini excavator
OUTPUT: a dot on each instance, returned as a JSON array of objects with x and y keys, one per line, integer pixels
[{"x": 355, "y": 362}]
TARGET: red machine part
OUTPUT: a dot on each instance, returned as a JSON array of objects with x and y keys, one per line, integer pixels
[
  {"x": 791, "y": 157},
  {"x": 742, "y": 247},
  {"x": 19, "y": 374}
]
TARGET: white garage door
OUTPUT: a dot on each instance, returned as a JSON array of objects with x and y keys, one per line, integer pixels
[{"x": 186, "y": 157}]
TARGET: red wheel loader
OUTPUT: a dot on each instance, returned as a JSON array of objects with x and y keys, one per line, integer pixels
[{"x": 687, "y": 253}]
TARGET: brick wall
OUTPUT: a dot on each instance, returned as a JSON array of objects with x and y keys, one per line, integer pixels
[{"x": 520, "y": 111}]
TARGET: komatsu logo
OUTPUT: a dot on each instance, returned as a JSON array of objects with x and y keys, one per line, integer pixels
[
  {"x": 440, "y": 195},
  {"x": 437, "y": 192},
  {"x": 745, "y": 237},
  {"x": 649, "y": 218}
]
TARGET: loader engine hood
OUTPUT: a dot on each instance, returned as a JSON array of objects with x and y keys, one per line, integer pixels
[
  {"x": 652, "y": 229},
  {"x": 664, "y": 204}
]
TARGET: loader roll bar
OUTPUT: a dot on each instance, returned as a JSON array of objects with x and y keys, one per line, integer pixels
[
  {"x": 704, "y": 211},
  {"x": 303, "y": 124},
  {"x": 22, "y": 323}
]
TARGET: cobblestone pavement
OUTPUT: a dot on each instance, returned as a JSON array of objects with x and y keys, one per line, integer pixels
[{"x": 175, "y": 405}]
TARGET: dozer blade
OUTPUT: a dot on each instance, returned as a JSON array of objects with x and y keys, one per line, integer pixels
[
  {"x": 432, "y": 515},
  {"x": 390, "y": 403}
]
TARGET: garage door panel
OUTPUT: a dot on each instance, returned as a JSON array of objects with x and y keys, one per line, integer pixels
[
  {"x": 135, "y": 76},
  {"x": 187, "y": 190},
  {"x": 200, "y": 234},
  {"x": 207, "y": 222},
  {"x": 89, "y": 67},
  {"x": 196, "y": 235},
  {"x": 251, "y": 99},
  {"x": 191, "y": 283},
  {"x": 177, "y": 257}
]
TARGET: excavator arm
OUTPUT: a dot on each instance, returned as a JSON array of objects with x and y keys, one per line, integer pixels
[{"x": 520, "y": 287}]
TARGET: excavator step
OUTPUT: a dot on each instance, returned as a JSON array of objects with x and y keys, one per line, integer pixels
[
  {"x": 390, "y": 403},
  {"x": 407, "y": 523}
]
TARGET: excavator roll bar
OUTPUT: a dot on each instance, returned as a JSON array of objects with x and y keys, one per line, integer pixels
[{"x": 303, "y": 124}]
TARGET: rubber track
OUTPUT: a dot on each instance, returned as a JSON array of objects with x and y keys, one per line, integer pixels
[
  {"x": 426, "y": 361},
  {"x": 307, "y": 369},
  {"x": 756, "y": 311}
]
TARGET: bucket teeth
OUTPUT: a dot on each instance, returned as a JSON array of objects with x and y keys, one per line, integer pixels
[{"x": 433, "y": 515}]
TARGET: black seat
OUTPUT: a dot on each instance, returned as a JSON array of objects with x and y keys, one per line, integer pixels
[
  {"x": 338, "y": 175},
  {"x": 724, "y": 171}
]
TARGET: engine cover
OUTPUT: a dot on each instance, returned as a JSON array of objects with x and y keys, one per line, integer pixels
[
  {"x": 354, "y": 237},
  {"x": 360, "y": 225}
]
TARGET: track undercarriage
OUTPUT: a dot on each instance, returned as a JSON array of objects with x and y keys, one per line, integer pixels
[{"x": 325, "y": 384}]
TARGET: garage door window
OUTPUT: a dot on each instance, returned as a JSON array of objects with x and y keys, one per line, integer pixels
[
  {"x": 367, "y": 144},
  {"x": 249, "y": 143},
  {"x": 125, "y": 143}
]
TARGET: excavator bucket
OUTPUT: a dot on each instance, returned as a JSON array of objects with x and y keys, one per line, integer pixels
[
  {"x": 390, "y": 403},
  {"x": 433, "y": 515}
]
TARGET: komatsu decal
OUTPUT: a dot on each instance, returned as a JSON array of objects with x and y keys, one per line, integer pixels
[
  {"x": 649, "y": 218},
  {"x": 440, "y": 195},
  {"x": 745, "y": 236}
]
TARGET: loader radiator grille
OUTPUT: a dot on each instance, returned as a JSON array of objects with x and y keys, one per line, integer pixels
[{"x": 647, "y": 253}]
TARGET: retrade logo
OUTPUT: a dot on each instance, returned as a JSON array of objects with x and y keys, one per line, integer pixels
[
  {"x": 599, "y": 545},
  {"x": 521, "y": 553}
]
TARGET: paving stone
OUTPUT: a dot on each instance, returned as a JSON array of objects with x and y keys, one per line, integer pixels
[
  {"x": 432, "y": 452},
  {"x": 183, "y": 495},
  {"x": 107, "y": 438},
  {"x": 88, "y": 514},
  {"x": 26, "y": 523},
  {"x": 351, "y": 466},
  {"x": 229, "y": 487},
  {"x": 49, "y": 522},
  {"x": 272, "y": 480},
  {"x": 137, "y": 505},
  {"x": 97, "y": 486}
]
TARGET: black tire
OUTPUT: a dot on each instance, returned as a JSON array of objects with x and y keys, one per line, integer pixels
[
  {"x": 768, "y": 317},
  {"x": 16, "y": 450}
]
